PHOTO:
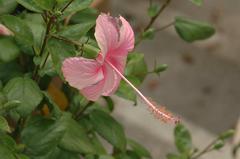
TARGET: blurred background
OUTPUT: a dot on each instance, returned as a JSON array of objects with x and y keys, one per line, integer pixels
[{"x": 202, "y": 82}]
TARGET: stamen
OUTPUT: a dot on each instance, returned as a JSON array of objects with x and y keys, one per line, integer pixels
[
  {"x": 166, "y": 115},
  {"x": 159, "y": 112}
]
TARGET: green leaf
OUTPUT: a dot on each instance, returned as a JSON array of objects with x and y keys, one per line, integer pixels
[
  {"x": 21, "y": 156},
  {"x": 138, "y": 149},
  {"x": 8, "y": 49},
  {"x": 90, "y": 51},
  {"x": 30, "y": 5},
  {"x": 54, "y": 108},
  {"x": 46, "y": 136},
  {"x": 126, "y": 91},
  {"x": 128, "y": 155},
  {"x": 160, "y": 68},
  {"x": 59, "y": 153},
  {"x": 62, "y": 1},
  {"x": 45, "y": 4},
  {"x": 172, "y": 156},
  {"x": 6, "y": 106},
  {"x": 191, "y": 30},
  {"x": 1, "y": 85},
  {"x": 153, "y": 10},
  {"x": 23, "y": 89},
  {"x": 88, "y": 15},
  {"x": 75, "y": 138},
  {"x": 90, "y": 156},
  {"x": 10, "y": 105},
  {"x": 42, "y": 135},
  {"x": 136, "y": 66},
  {"x": 226, "y": 135},
  {"x": 135, "y": 71},
  {"x": 36, "y": 23},
  {"x": 109, "y": 129},
  {"x": 59, "y": 51},
  {"x": 78, "y": 5},
  {"x": 183, "y": 139},
  {"x": 7, "y": 6},
  {"x": 7, "y": 142},
  {"x": 197, "y": 2},
  {"x": 7, "y": 147},
  {"x": 123, "y": 156},
  {"x": 6, "y": 153},
  {"x": 3, "y": 99},
  {"x": 133, "y": 155},
  {"x": 9, "y": 70},
  {"x": 4, "y": 124},
  {"x": 110, "y": 103},
  {"x": 22, "y": 32},
  {"x": 105, "y": 157},
  {"x": 98, "y": 146},
  {"x": 218, "y": 145},
  {"x": 149, "y": 34},
  {"x": 77, "y": 31}
]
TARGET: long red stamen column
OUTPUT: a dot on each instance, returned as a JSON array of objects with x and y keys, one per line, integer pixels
[{"x": 159, "y": 112}]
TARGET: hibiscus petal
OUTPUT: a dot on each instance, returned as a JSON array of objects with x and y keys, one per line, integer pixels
[
  {"x": 106, "y": 33},
  {"x": 106, "y": 86},
  {"x": 81, "y": 72},
  {"x": 126, "y": 36},
  {"x": 126, "y": 41},
  {"x": 93, "y": 92},
  {"x": 5, "y": 31},
  {"x": 111, "y": 80}
]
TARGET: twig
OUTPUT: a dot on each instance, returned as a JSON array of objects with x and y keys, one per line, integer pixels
[
  {"x": 46, "y": 37},
  {"x": 206, "y": 149},
  {"x": 153, "y": 19},
  {"x": 45, "y": 61},
  {"x": 67, "y": 5},
  {"x": 81, "y": 111},
  {"x": 73, "y": 42},
  {"x": 165, "y": 27}
]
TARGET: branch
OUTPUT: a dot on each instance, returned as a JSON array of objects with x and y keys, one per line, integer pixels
[
  {"x": 46, "y": 37},
  {"x": 206, "y": 149},
  {"x": 73, "y": 42},
  {"x": 165, "y": 27},
  {"x": 153, "y": 19},
  {"x": 81, "y": 111},
  {"x": 67, "y": 5}
]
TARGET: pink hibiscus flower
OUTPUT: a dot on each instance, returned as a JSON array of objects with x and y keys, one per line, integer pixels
[
  {"x": 94, "y": 78},
  {"x": 101, "y": 77}
]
